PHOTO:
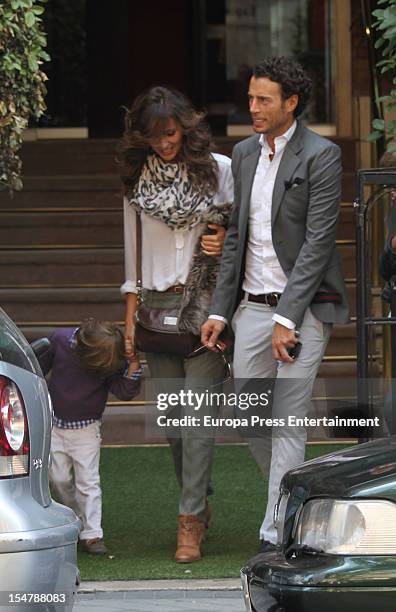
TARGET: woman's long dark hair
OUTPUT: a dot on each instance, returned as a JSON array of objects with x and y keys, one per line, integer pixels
[{"x": 147, "y": 117}]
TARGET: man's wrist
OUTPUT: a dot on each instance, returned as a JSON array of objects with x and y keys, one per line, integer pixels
[{"x": 215, "y": 317}]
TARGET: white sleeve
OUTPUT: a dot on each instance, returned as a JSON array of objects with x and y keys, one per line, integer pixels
[
  {"x": 226, "y": 182},
  {"x": 218, "y": 318},
  {"x": 283, "y": 321},
  {"x": 129, "y": 285}
]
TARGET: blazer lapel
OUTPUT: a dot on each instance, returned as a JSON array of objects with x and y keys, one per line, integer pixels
[
  {"x": 288, "y": 165},
  {"x": 248, "y": 170}
]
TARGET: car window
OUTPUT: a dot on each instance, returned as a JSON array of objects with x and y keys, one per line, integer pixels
[{"x": 14, "y": 348}]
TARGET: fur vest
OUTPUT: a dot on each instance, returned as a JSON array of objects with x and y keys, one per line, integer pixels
[{"x": 202, "y": 277}]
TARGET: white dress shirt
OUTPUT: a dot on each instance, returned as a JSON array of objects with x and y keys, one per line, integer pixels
[
  {"x": 263, "y": 272},
  {"x": 166, "y": 253}
]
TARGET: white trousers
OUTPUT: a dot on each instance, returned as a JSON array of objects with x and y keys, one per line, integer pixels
[
  {"x": 253, "y": 326},
  {"x": 74, "y": 474}
]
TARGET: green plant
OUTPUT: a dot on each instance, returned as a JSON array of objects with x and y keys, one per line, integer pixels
[
  {"x": 385, "y": 25},
  {"x": 22, "y": 88}
]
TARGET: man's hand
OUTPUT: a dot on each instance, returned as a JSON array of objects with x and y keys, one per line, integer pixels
[
  {"x": 282, "y": 339},
  {"x": 212, "y": 244},
  {"x": 210, "y": 331}
]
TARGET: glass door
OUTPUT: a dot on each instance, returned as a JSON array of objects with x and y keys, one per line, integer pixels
[{"x": 238, "y": 33}]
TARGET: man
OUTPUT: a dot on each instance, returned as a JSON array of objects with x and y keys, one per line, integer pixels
[{"x": 280, "y": 280}]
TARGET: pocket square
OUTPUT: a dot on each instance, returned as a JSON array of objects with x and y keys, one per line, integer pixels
[{"x": 294, "y": 183}]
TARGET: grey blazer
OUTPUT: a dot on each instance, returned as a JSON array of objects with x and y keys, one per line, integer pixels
[{"x": 305, "y": 209}]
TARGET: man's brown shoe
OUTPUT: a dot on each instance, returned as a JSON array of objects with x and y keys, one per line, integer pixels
[{"x": 189, "y": 539}]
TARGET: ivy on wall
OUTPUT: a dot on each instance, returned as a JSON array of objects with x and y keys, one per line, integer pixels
[
  {"x": 385, "y": 25},
  {"x": 22, "y": 82}
]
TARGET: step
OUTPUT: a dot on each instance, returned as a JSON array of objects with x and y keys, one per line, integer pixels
[
  {"x": 126, "y": 423},
  {"x": 62, "y": 305},
  {"x": 39, "y": 329},
  {"x": 97, "y": 157},
  {"x": 346, "y": 229},
  {"x": 347, "y": 252},
  {"x": 72, "y": 182},
  {"x": 346, "y": 368},
  {"x": 342, "y": 343},
  {"x": 88, "y": 226},
  {"x": 341, "y": 333},
  {"x": 62, "y": 266},
  {"x": 43, "y": 290},
  {"x": 58, "y": 199},
  {"x": 125, "y": 427},
  {"x": 338, "y": 369},
  {"x": 342, "y": 340},
  {"x": 101, "y": 152},
  {"x": 69, "y": 157},
  {"x": 102, "y": 227},
  {"x": 351, "y": 294}
]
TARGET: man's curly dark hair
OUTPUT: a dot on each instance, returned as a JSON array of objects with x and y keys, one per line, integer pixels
[{"x": 290, "y": 75}]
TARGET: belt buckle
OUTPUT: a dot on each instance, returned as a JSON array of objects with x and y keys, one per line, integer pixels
[
  {"x": 178, "y": 288},
  {"x": 274, "y": 297}
]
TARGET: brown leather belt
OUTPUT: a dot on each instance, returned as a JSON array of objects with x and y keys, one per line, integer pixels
[
  {"x": 272, "y": 299},
  {"x": 175, "y": 289}
]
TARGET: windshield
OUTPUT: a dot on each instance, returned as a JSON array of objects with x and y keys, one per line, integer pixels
[{"x": 14, "y": 348}]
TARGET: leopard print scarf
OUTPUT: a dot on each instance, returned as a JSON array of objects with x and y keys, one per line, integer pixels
[{"x": 164, "y": 191}]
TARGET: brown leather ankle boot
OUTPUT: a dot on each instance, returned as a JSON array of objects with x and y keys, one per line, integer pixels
[{"x": 189, "y": 539}]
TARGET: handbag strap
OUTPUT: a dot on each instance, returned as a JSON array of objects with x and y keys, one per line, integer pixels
[{"x": 138, "y": 252}]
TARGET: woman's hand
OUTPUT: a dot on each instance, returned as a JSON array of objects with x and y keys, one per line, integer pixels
[
  {"x": 129, "y": 340},
  {"x": 212, "y": 244},
  {"x": 210, "y": 332},
  {"x": 129, "y": 332}
]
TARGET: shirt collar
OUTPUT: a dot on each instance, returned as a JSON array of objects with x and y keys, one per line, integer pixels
[
  {"x": 280, "y": 140},
  {"x": 73, "y": 339}
]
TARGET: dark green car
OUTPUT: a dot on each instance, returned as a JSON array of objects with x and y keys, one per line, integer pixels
[{"x": 336, "y": 521}]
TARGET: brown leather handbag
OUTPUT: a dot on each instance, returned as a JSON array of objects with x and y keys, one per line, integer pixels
[{"x": 156, "y": 329}]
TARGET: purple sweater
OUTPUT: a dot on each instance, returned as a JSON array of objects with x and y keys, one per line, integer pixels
[{"x": 77, "y": 394}]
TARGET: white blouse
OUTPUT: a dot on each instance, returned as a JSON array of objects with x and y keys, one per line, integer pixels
[{"x": 166, "y": 253}]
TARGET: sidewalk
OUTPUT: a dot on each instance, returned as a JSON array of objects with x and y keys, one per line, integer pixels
[{"x": 161, "y": 596}]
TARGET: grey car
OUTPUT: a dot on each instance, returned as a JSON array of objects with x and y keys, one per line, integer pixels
[{"x": 38, "y": 537}]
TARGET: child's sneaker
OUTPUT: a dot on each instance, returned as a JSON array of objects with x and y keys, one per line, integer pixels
[{"x": 96, "y": 546}]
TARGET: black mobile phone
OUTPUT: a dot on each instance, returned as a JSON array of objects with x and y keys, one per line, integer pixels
[{"x": 295, "y": 350}]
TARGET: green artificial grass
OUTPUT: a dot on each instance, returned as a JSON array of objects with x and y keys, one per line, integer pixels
[{"x": 140, "y": 508}]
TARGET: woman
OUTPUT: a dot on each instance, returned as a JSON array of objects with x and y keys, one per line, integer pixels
[{"x": 182, "y": 193}]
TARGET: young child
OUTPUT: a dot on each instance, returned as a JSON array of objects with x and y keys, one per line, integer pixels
[{"x": 86, "y": 364}]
